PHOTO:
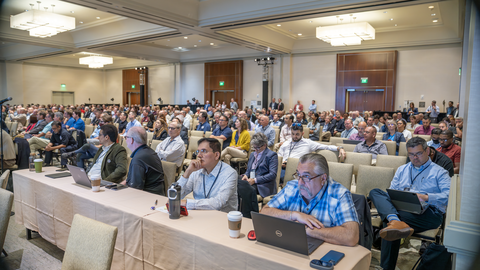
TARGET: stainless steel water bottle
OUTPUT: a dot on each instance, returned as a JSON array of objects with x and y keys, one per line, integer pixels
[{"x": 174, "y": 200}]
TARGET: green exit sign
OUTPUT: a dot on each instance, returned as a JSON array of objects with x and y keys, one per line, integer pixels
[
  {"x": 364, "y": 79},
  {"x": 133, "y": 86},
  {"x": 221, "y": 83}
]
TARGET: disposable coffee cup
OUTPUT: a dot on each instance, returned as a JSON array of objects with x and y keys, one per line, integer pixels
[
  {"x": 234, "y": 223},
  {"x": 96, "y": 185},
  {"x": 38, "y": 165}
]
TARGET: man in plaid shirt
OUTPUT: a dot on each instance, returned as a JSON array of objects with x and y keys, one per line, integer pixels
[{"x": 316, "y": 200}]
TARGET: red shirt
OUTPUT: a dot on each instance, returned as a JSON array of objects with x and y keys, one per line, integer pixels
[
  {"x": 422, "y": 131},
  {"x": 453, "y": 152}
]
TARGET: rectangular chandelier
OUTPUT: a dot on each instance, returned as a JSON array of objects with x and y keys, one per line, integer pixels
[
  {"x": 96, "y": 61},
  {"x": 42, "y": 23},
  {"x": 346, "y": 34}
]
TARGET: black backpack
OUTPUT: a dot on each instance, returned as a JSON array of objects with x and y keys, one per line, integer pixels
[{"x": 435, "y": 257}]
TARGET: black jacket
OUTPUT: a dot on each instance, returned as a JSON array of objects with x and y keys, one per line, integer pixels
[
  {"x": 247, "y": 195},
  {"x": 339, "y": 125},
  {"x": 146, "y": 171},
  {"x": 365, "y": 219},
  {"x": 64, "y": 138},
  {"x": 23, "y": 153},
  {"x": 38, "y": 127}
]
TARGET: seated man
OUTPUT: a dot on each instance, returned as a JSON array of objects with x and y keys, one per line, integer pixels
[
  {"x": 184, "y": 130},
  {"x": 110, "y": 162},
  {"x": 453, "y": 151},
  {"x": 360, "y": 130},
  {"x": 133, "y": 121},
  {"x": 349, "y": 129},
  {"x": 371, "y": 145},
  {"x": 223, "y": 131},
  {"x": 78, "y": 123},
  {"x": 41, "y": 123},
  {"x": 61, "y": 140},
  {"x": 328, "y": 129},
  {"x": 70, "y": 121},
  {"x": 316, "y": 200},
  {"x": 203, "y": 124},
  {"x": 435, "y": 138},
  {"x": 262, "y": 167},
  {"x": 145, "y": 171},
  {"x": 104, "y": 119},
  {"x": 432, "y": 185},
  {"x": 41, "y": 140},
  {"x": 172, "y": 149},
  {"x": 285, "y": 131},
  {"x": 214, "y": 183},
  {"x": 339, "y": 123},
  {"x": 10, "y": 158},
  {"x": 266, "y": 129},
  {"x": 425, "y": 128}
]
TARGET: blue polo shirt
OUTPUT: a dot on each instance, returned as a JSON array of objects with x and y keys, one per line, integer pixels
[
  {"x": 204, "y": 127},
  {"x": 79, "y": 125},
  {"x": 70, "y": 122},
  {"x": 227, "y": 132}
]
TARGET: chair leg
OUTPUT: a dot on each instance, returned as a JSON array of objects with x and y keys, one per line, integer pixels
[
  {"x": 4, "y": 252},
  {"x": 29, "y": 234}
]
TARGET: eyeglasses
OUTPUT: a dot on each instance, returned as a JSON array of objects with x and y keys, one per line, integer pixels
[
  {"x": 443, "y": 140},
  {"x": 172, "y": 128},
  {"x": 202, "y": 151},
  {"x": 417, "y": 155},
  {"x": 257, "y": 147},
  {"x": 305, "y": 178}
]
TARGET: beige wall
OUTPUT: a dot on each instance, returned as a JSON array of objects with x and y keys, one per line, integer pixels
[
  {"x": 192, "y": 77},
  {"x": 113, "y": 86}
]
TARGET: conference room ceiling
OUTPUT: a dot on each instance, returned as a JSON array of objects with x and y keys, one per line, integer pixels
[{"x": 151, "y": 32}]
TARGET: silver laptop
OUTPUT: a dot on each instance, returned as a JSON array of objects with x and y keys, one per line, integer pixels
[
  {"x": 407, "y": 201},
  {"x": 284, "y": 234},
  {"x": 80, "y": 177}
]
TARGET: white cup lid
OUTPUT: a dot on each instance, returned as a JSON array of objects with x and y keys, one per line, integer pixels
[{"x": 38, "y": 160}]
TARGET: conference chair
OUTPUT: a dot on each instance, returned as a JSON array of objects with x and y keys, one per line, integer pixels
[
  {"x": 154, "y": 144},
  {"x": 87, "y": 121},
  {"x": 197, "y": 133},
  {"x": 329, "y": 155},
  {"x": 380, "y": 134},
  {"x": 279, "y": 172},
  {"x": 124, "y": 144},
  {"x": 277, "y": 137},
  {"x": 169, "y": 172},
  {"x": 208, "y": 134},
  {"x": 402, "y": 149},
  {"x": 425, "y": 137},
  {"x": 371, "y": 177},
  {"x": 6, "y": 202},
  {"x": 390, "y": 161},
  {"x": 336, "y": 140},
  {"x": 275, "y": 127},
  {"x": 90, "y": 245},
  {"x": 306, "y": 132},
  {"x": 192, "y": 147},
  {"x": 379, "y": 137},
  {"x": 358, "y": 159},
  {"x": 13, "y": 129},
  {"x": 149, "y": 137},
  {"x": 391, "y": 147},
  {"x": 89, "y": 130},
  {"x": 4, "y": 179},
  {"x": 347, "y": 147},
  {"x": 291, "y": 168},
  {"x": 342, "y": 173}
]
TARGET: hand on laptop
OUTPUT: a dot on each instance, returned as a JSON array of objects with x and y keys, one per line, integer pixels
[
  {"x": 308, "y": 220},
  {"x": 422, "y": 197}
]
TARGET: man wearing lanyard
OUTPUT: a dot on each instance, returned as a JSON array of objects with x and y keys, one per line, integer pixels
[
  {"x": 262, "y": 167},
  {"x": 430, "y": 182},
  {"x": 172, "y": 149},
  {"x": 213, "y": 182}
]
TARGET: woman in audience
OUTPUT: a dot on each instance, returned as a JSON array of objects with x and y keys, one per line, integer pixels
[
  {"x": 413, "y": 123},
  {"x": 151, "y": 122},
  {"x": 33, "y": 121},
  {"x": 314, "y": 127},
  {"x": 218, "y": 105},
  {"x": 393, "y": 134},
  {"x": 412, "y": 110},
  {"x": 240, "y": 144},
  {"x": 160, "y": 132},
  {"x": 401, "y": 126},
  {"x": 224, "y": 106}
]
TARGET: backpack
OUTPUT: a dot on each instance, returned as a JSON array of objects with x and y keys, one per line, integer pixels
[{"x": 435, "y": 257}]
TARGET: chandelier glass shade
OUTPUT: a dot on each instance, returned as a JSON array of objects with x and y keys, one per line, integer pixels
[
  {"x": 42, "y": 23},
  {"x": 346, "y": 34},
  {"x": 96, "y": 61}
]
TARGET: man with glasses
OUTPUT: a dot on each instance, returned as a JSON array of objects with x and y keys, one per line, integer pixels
[
  {"x": 213, "y": 182},
  {"x": 451, "y": 150},
  {"x": 316, "y": 200},
  {"x": 145, "y": 171},
  {"x": 203, "y": 124},
  {"x": 430, "y": 182},
  {"x": 172, "y": 149},
  {"x": 223, "y": 131},
  {"x": 360, "y": 130},
  {"x": 349, "y": 129},
  {"x": 110, "y": 162},
  {"x": 61, "y": 140}
]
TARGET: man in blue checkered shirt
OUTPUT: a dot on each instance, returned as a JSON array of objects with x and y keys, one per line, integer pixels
[{"x": 316, "y": 200}]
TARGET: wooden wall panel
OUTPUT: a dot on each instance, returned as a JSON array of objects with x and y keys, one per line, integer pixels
[
  {"x": 231, "y": 73},
  {"x": 379, "y": 67},
  {"x": 132, "y": 77}
]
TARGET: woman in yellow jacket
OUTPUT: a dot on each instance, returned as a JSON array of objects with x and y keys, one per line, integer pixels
[{"x": 240, "y": 142}]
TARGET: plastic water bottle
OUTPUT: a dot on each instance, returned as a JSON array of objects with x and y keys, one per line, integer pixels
[{"x": 31, "y": 164}]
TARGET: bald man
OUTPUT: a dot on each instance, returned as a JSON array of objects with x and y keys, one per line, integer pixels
[
  {"x": 265, "y": 128},
  {"x": 361, "y": 129}
]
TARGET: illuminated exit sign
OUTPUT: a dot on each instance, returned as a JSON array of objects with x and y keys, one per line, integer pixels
[
  {"x": 364, "y": 79},
  {"x": 133, "y": 86},
  {"x": 221, "y": 83}
]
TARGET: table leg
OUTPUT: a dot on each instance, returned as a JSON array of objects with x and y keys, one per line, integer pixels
[
  {"x": 29, "y": 234},
  {"x": 4, "y": 252}
]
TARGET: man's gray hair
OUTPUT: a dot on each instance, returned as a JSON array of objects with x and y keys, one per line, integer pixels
[
  {"x": 59, "y": 115},
  {"x": 138, "y": 134},
  {"x": 259, "y": 140},
  {"x": 178, "y": 124},
  {"x": 321, "y": 164}
]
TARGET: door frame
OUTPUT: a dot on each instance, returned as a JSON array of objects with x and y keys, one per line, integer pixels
[{"x": 69, "y": 92}]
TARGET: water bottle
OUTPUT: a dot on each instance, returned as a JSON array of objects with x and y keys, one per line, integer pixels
[
  {"x": 31, "y": 164},
  {"x": 174, "y": 199}
]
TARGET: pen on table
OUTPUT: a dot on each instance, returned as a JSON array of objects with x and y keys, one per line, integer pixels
[{"x": 154, "y": 207}]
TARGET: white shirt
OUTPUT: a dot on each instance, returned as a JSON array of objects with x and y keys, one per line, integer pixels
[
  {"x": 186, "y": 121},
  {"x": 285, "y": 133},
  {"x": 302, "y": 147},
  {"x": 171, "y": 150},
  {"x": 95, "y": 172},
  {"x": 407, "y": 134}
]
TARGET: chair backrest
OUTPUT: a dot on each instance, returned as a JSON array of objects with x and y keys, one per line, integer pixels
[
  {"x": 277, "y": 135},
  {"x": 208, "y": 133},
  {"x": 89, "y": 130},
  {"x": 381, "y": 134},
  {"x": 347, "y": 147},
  {"x": 6, "y": 202},
  {"x": 329, "y": 155},
  {"x": 358, "y": 159},
  {"x": 192, "y": 146},
  {"x": 391, "y": 147},
  {"x": 279, "y": 171},
  {"x": 149, "y": 137},
  {"x": 154, "y": 144},
  {"x": 336, "y": 140},
  {"x": 169, "y": 172},
  {"x": 434, "y": 125},
  {"x": 8, "y": 124},
  {"x": 291, "y": 168},
  {"x": 275, "y": 127},
  {"x": 196, "y": 133},
  {"x": 342, "y": 173},
  {"x": 4, "y": 179},
  {"x": 87, "y": 121},
  {"x": 379, "y": 137},
  {"x": 251, "y": 133},
  {"x": 124, "y": 144},
  {"x": 402, "y": 149},
  {"x": 390, "y": 161},
  {"x": 13, "y": 129},
  {"x": 90, "y": 245},
  {"x": 370, "y": 177},
  {"x": 306, "y": 132},
  {"x": 425, "y": 137}
]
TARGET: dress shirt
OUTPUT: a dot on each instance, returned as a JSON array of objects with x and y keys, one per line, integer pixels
[
  {"x": 227, "y": 132},
  {"x": 434, "y": 145},
  {"x": 316, "y": 131},
  {"x": 133, "y": 123},
  {"x": 332, "y": 206},
  {"x": 302, "y": 147},
  {"x": 409, "y": 126},
  {"x": 356, "y": 137},
  {"x": 422, "y": 131},
  {"x": 429, "y": 179},
  {"x": 95, "y": 172},
  {"x": 95, "y": 133},
  {"x": 171, "y": 150},
  {"x": 348, "y": 132},
  {"x": 377, "y": 148},
  {"x": 204, "y": 127},
  {"x": 273, "y": 105},
  {"x": 187, "y": 120},
  {"x": 269, "y": 132},
  {"x": 453, "y": 151},
  {"x": 358, "y": 120},
  {"x": 433, "y": 113},
  {"x": 206, "y": 107},
  {"x": 313, "y": 108},
  {"x": 276, "y": 124},
  {"x": 285, "y": 133},
  {"x": 214, "y": 191}
]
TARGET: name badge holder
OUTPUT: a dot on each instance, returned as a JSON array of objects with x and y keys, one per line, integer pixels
[{"x": 252, "y": 174}]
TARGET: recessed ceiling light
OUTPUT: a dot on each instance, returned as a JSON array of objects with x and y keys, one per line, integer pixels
[
  {"x": 310, "y": 21},
  {"x": 81, "y": 22},
  {"x": 168, "y": 39},
  {"x": 211, "y": 43},
  {"x": 435, "y": 21},
  {"x": 391, "y": 19},
  {"x": 98, "y": 18},
  {"x": 433, "y": 14},
  {"x": 395, "y": 24},
  {"x": 194, "y": 45},
  {"x": 180, "y": 48},
  {"x": 279, "y": 25},
  {"x": 299, "y": 34},
  {"x": 72, "y": 11},
  {"x": 199, "y": 40},
  {"x": 185, "y": 37},
  {"x": 431, "y": 6},
  {"x": 385, "y": 12}
]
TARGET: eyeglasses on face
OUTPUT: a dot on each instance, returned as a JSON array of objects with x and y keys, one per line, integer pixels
[
  {"x": 305, "y": 178},
  {"x": 416, "y": 155},
  {"x": 172, "y": 128},
  {"x": 202, "y": 151}
]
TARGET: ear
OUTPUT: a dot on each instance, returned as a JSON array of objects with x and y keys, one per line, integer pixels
[{"x": 428, "y": 151}]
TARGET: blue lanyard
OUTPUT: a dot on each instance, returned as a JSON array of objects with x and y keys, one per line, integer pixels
[
  {"x": 204, "y": 192},
  {"x": 411, "y": 173}
]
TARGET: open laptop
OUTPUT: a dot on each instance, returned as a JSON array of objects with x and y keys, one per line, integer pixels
[
  {"x": 283, "y": 233},
  {"x": 407, "y": 201},
  {"x": 351, "y": 142},
  {"x": 80, "y": 177}
]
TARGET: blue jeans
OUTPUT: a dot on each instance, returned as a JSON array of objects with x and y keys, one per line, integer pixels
[{"x": 87, "y": 151}]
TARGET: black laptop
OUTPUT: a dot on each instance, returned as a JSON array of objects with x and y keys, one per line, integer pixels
[
  {"x": 407, "y": 201},
  {"x": 284, "y": 234},
  {"x": 355, "y": 142}
]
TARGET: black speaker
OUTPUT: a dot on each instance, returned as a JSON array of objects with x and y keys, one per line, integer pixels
[{"x": 265, "y": 95}]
